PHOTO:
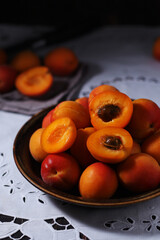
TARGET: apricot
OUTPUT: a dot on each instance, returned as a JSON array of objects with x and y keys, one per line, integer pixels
[
  {"x": 7, "y": 78},
  {"x": 136, "y": 148},
  {"x": 59, "y": 135},
  {"x": 73, "y": 110},
  {"x": 110, "y": 108},
  {"x": 139, "y": 173},
  {"x": 3, "y": 57},
  {"x": 25, "y": 60},
  {"x": 145, "y": 119},
  {"x": 84, "y": 102},
  {"x": 47, "y": 119},
  {"x": 61, "y": 61},
  {"x": 35, "y": 146},
  {"x": 60, "y": 171},
  {"x": 79, "y": 148},
  {"x": 98, "y": 182},
  {"x": 34, "y": 82},
  {"x": 110, "y": 144},
  {"x": 156, "y": 49},
  {"x": 151, "y": 146},
  {"x": 100, "y": 89}
]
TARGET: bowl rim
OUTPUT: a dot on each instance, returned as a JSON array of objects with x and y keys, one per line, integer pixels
[{"x": 67, "y": 197}]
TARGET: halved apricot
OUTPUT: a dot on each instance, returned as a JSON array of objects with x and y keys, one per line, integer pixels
[
  {"x": 110, "y": 144},
  {"x": 110, "y": 108},
  {"x": 34, "y": 82},
  {"x": 73, "y": 110},
  {"x": 59, "y": 135},
  {"x": 100, "y": 89}
]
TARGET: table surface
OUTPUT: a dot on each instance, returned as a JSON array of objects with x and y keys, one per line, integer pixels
[{"x": 119, "y": 56}]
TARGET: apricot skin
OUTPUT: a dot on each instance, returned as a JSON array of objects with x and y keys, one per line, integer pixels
[
  {"x": 151, "y": 146},
  {"x": 60, "y": 171},
  {"x": 79, "y": 148},
  {"x": 156, "y": 49},
  {"x": 35, "y": 146},
  {"x": 145, "y": 119},
  {"x": 139, "y": 173},
  {"x": 73, "y": 110},
  {"x": 98, "y": 182},
  {"x": 61, "y": 61}
]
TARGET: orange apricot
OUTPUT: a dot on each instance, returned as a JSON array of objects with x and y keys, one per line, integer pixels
[
  {"x": 73, "y": 110},
  {"x": 35, "y": 146},
  {"x": 79, "y": 148},
  {"x": 47, "y": 119},
  {"x": 110, "y": 108},
  {"x": 34, "y": 82},
  {"x": 100, "y": 89},
  {"x": 25, "y": 60},
  {"x": 139, "y": 173},
  {"x": 84, "y": 102},
  {"x": 156, "y": 49},
  {"x": 136, "y": 147},
  {"x": 145, "y": 119},
  {"x": 3, "y": 57},
  {"x": 59, "y": 135},
  {"x": 151, "y": 145},
  {"x": 98, "y": 182},
  {"x": 61, "y": 61},
  {"x": 110, "y": 144}
]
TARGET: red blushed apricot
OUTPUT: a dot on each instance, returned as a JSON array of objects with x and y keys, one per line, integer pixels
[
  {"x": 139, "y": 173},
  {"x": 73, "y": 110},
  {"x": 100, "y": 89},
  {"x": 151, "y": 146},
  {"x": 98, "y": 182},
  {"x": 110, "y": 108},
  {"x": 79, "y": 148},
  {"x": 110, "y": 144},
  {"x": 47, "y": 119},
  {"x": 145, "y": 119},
  {"x": 84, "y": 102},
  {"x": 35, "y": 146},
  {"x": 34, "y": 82},
  {"x": 60, "y": 171},
  {"x": 156, "y": 49},
  {"x": 136, "y": 148},
  {"x": 61, "y": 61},
  {"x": 59, "y": 135}
]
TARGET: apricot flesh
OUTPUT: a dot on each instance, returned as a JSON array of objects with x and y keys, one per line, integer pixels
[
  {"x": 110, "y": 144},
  {"x": 59, "y": 135},
  {"x": 110, "y": 108}
]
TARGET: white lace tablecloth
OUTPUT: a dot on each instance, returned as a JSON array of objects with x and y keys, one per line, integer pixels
[{"x": 120, "y": 56}]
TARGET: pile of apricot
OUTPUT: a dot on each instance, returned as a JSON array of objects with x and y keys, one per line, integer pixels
[
  {"x": 34, "y": 76},
  {"x": 100, "y": 144}
]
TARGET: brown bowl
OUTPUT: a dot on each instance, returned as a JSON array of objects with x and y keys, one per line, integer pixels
[{"x": 30, "y": 169}]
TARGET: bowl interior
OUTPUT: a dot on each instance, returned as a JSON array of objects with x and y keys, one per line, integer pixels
[{"x": 30, "y": 169}]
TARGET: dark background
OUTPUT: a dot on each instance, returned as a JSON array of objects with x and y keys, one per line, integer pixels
[
  {"x": 73, "y": 18},
  {"x": 97, "y": 13}
]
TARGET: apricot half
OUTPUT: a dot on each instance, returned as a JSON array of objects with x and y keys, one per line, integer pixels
[
  {"x": 110, "y": 108},
  {"x": 59, "y": 135},
  {"x": 34, "y": 82},
  {"x": 110, "y": 144}
]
